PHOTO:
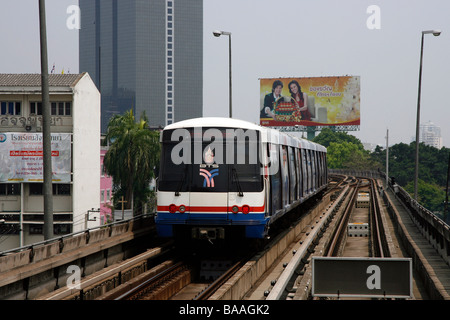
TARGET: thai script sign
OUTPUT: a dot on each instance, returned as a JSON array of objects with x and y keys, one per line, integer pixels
[{"x": 21, "y": 157}]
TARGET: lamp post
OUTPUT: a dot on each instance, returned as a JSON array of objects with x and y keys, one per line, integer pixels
[
  {"x": 416, "y": 177},
  {"x": 218, "y": 33}
]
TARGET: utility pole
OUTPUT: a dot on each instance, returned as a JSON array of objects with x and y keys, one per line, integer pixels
[{"x": 46, "y": 135}]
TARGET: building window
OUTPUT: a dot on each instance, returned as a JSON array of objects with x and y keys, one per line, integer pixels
[
  {"x": 169, "y": 66},
  {"x": 57, "y": 229},
  {"x": 61, "y": 189},
  {"x": 36, "y": 108},
  {"x": 61, "y": 108},
  {"x": 36, "y": 189},
  {"x": 9, "y": 189},
  {"x": 68, "y": 107},
  {"x": 57, "y": 108},
  {"x": 35, "y": 229},
  {"x": 10, "y": 108},
  {"x": 102, "y": 196}
]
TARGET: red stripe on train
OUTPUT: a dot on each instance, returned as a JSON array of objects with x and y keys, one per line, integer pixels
[{"x": 213, "y": 209}]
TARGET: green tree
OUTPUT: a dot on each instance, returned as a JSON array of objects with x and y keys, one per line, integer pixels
[
  {"x": 132, "y": 156},
  {"x": 345, "y": 151},
  {"x": 327, "y": 136},
  {"x": 430, "y": 195}
]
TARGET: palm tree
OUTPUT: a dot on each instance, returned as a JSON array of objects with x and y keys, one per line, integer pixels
[{"x": 132, "y": 156}]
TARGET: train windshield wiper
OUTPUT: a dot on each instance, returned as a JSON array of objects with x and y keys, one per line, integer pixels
[
  {"x": 180, "y": 184},
  {"x": 236, "y": 178}
]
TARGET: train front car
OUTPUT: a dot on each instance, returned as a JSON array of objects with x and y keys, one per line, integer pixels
[{"x": 210, "y": 184}]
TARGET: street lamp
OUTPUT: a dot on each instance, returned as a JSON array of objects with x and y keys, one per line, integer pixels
[
  {"x": 218, "y": 33},
  {"x": 416, "y": 178}
]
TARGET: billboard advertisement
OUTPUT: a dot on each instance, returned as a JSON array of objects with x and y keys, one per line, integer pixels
[
  {"x": 21, "y": 157},
  {"x": 313, "y": 101}
]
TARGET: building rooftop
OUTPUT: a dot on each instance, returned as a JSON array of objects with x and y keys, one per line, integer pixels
[{"x": 34, "y": 80}]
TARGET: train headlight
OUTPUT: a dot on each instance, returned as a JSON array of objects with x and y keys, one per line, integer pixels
[
  {"x": 245, "y": 209},
  {"x": 182, "y": 208},
  {"x": 172, "y": 208},
  {"x": 235, "y": 209}
]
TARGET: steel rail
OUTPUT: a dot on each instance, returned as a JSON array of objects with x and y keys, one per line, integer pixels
[
  {"x": 338, "y": 235},
  {"x": 209, "y": 290},
  {"x": 280, "y": 286},
  {"x": 168, "y": 272}
]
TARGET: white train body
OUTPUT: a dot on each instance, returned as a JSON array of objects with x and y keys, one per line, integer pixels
[{"x": 220, "y": 176}]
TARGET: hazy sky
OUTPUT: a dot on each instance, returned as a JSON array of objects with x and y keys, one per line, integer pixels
[{"x": 286, "y": 38}]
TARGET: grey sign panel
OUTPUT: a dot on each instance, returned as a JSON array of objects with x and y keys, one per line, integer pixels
[{"x": 362, "y": 277}]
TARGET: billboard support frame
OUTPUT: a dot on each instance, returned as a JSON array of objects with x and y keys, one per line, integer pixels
[{"x": 311, "y": 130}]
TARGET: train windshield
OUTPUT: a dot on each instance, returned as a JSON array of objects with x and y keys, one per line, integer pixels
[{"x": 210, "y": 160}]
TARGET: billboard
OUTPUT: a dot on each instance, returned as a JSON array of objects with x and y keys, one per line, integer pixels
[
  {"x": 21, "y": 157},
  {"x": 314, "y": 101}
]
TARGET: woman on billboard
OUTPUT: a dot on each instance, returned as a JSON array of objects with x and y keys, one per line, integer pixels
[{"x": 300, "y": 98}]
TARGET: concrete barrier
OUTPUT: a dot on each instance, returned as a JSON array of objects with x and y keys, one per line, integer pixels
[{"x": 38, "y": 269}]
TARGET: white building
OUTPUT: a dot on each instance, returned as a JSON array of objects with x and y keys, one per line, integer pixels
[
  {"x": 75, "y": 128},
  {"x": 430, "y": 134}
]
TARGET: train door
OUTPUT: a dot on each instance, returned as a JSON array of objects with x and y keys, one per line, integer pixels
[
  {"x": 304, "y": 173},
  {"x": 314, "y": 170},
  {"x": 284, "y": 176},
  {"x": 292, "y": 175},
  {"x": 275, "y": 179},
  {"x": 309, "y": 169},
  {"x": 322, "y": 169},
  {"x": 298, "y": 166}
]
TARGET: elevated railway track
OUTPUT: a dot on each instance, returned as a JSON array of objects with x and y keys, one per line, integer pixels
[{"x": 281, "y": 270}]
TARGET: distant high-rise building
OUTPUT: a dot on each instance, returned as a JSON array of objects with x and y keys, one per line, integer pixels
[
  {"x": 144, "y": 55},
  {"x": 430, "y": 134}
]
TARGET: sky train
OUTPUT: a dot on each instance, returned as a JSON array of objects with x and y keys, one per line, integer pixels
[{"x": 221, "y": 177}]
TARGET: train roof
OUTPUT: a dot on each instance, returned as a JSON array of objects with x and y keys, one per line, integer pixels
[
  {"x": 213, "y": 122},
  {"x": 267, "y": 134}
]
